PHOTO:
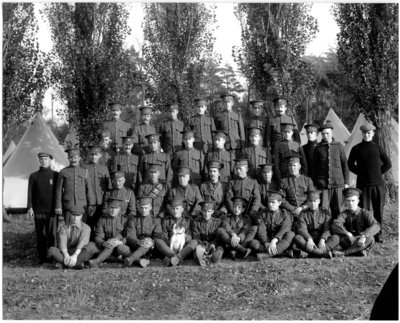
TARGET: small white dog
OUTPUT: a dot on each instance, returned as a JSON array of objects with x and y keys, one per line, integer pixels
[{"x": 178, "y": 238}]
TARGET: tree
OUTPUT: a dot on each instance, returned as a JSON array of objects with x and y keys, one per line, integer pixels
[
  {"x": 24, "y": 73},
  {"x": 178, "y": 42},
  {"x": 274, "y": 38},
  {"x": 90, "y": 66},
  {"x": 368, "y": 51}
]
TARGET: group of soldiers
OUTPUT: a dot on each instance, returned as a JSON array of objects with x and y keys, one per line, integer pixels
[{"x": 223, "y": 186}]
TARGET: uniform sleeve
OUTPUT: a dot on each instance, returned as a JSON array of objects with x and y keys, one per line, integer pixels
[
  {"x": 99, "y": 234},
  {"x": 195, "y": 210},
  {"x": 108, "y": 179},
  {"x": 131, "y": 236},
  {"x": 164, "y": 230},
  {"x": 301, "y": 226},
  {"x": 286, "y": 226},
  {"x": 226, "y": 226},
  {"x": 157, "y": 232},
  {"x": 202, "y": 166},
  {"x": 30, "y": 190},
  {"x": 338, "y": 225},
  {"x": 277, "y": 172},
  {"x": 352, "y": 160},
  {"x": 89, "y": 190},
  {"x": 140, "y": 170},
  {"x": 228, "y": 195},
  {"x": 345, "y": 167},
  {"x": 326, "y": 227},
  {"x": 59, "y": 189},
  {"x": 245, "y": 229},
  {"x": 373, "y": 225},
  {"x": 296, "y": 132},
  {"x": 195, "y": 231},
  {"x": 169, "y": 173},
  {"x": 131, "y": 209},
  {"x": 256, "y": 197},
  {"x": 386, "y": 164},
  {"x": 242, "y": 134},
  {"x": 303, "y": 161},
  {"x": 188, "y": 229},
  {"x": 84, "y": 237}
]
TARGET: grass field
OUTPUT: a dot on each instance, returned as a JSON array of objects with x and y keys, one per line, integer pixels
[{"x": 281, "y": 288}]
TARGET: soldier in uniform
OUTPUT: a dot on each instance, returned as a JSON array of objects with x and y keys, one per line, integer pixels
[
  {"x": 107, "y": 154},
  {"x": 231, "y": 122},
  {"x": 257, "y": 120},
  {"x": 189, "y": 193},
  {"x": 143, "y": 129},
  {"x": 255, "y": 153},
  {"x": 154, "y": 189},
  {"x": 120, "y": 192},
  {"x": 178, "y": 219},
  {"x": 235, "y": 229},
  {"x": 109, "y": 236},
  {"x": 331, "y": 172},
  {"x": 274, "y": 131},
  {"x": 355, "y": 226},
  {"x": 171, "y": 131},
  {"x": 274, "y": 234},
  {"x": 204, "y": 231},
  {"x": 220, "y": 153},
  {"x": 313, "y": 230},
  {"x": 267, "y": 182},
  {"x": 213, "y": 189},
  {"x": 41, "y": 200},
  {"x": 127, "y": 163},
  {"x": 191, "y": 157},
  {"x": 73, "y": 189},
  {"x": 203, "y": 125},
  {"x": 117, "y": 127},
  {"x": 287, "y": 147},
  {"x": 141, "y": 232},
  {"x": 245, "y": 187},
  {"x": 308, "y": 148},
  {"x": 100, "y": 181}
]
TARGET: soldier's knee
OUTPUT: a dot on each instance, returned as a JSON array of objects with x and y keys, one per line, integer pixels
[
  {"x": 123, "y": 250},
  {"x": 289, "y": 236},
  {"x": 298, "y": 239},
  {"x": 254, "y": 244},
  {"x": 192, "y": 244},
  {"x": 52, "y": 251}
]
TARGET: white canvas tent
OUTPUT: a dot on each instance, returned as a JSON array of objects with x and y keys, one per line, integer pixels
[
  {"x": 24, "y": 161},
  {"x": 9, "y": 151}
]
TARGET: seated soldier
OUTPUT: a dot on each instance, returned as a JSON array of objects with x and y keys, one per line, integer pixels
[
  {"x": 141, "y": 232},
  {"x": 178, "y": 219},
  {"x": 267, "y": 182},
  {"x": 204, "y": 230},
  {"x": 213, "y": 189},
  {"x": 109, "y": 237},
  {"x": 313, "y": 227},
  {"x": 154, "y": 189},
  {"x": 72, "y": 237},
  {"x": 274, "y": 234},
  {"x": 356, "y": 227},
  {"x": 235, "y": 228},
  {"x": 189, "y": 193}
]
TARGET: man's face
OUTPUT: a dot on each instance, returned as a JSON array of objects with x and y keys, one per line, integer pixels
[
  {"x": 280, "y": 109},
  {"x": 106, "y": 142},
  {"x": 242, "y": 171},
  {"x": 266, "y": 174},
  {"x": 188, "y": 141},
  {"x": 184, "y": 179},
  {"x": 313, "y": 205},
  {"x": 287, "y": 134},
  {"x": 74, "y": 160},
  {"x": 76, "y": 219},
  {"x": 154, "y": 176},
  {"x": 213, "y": 173},
  {"x": 45, "y": 162},
  {"x": 115, "y": 211},
  {"x": 228, "y": 103},
  {"x": 207, "y": 214},
  {"x": 237, "y": 209},
  {"x": 352, "y": 202},
  {"x": 219, "y": 143},
  {"x": 312, "y": 135},
  {"x": 256, "y": 110},
  {"x": 174, "y": 114},
  {"x": 154, "y": 146},
  {"x": 274, "y": 205},
  {"x": 116, "y": 113},
  {"x": 201, "y": 109},
  {"x": 294, "y": 168},
  {"x": 119, "y": 182},
  {"x": 368, "y": 135},
  {"x": 145, "y": 209},
  {"x": 94, "y": 157},
  {"x": 128, "y": 148},
  {"x": 255, "y": 139},
  {"x": 326, "y": 135},
  {"x": 146, "y": 118},
  {"x": 177, "y": 211}
]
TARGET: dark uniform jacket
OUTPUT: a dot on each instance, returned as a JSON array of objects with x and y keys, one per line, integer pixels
[
  {"x": 73, "y": 189},
  {"x": 191, "y": 196},
  {"x": 214, "y": 192},
  {"x": 203, "y": 126},
  {"x": 139, "y": 134},
  {"x": 109, "y": 227},
  {"x": 167, "y": 225},
  {"x": 225, "y": 157},
  {"x": 247, "y": 188},
  {"x": 361, "y": 222},
  {"x": 107, "y": 157},
  {"x": 314, "y": 224},
  {"x": 42, "y": 190},
  {"x": 206, "y": 231},
  {"x": 276, "y": 225},
  {"x": 166, "y": 172},
  {"x": 295, "y": 189},
  {"x": 140, "y": 227},
  {"x": 159, "y": 193},
  {"x": 264, "y": 188},
  {"x": 99, "y": 179},
  {"x": 256, "y": 155},
  {"x": 117, "y": 129},
  {"x": 232, "y": 123},
  {"x": 258, "y": 122},
  {"x": 283, "y": 149},
  {"x": 308, "y": 149},
  {"x": 193, "y": 158},
  {"x": 237, "y": 224},
  {"x": 171, "y": 137},
  {"x": 128, "y": 205},
  {"x": 330, "y": 165},
  {"x": 128, "y": 164},
  {"x": 274, "y": 133}
]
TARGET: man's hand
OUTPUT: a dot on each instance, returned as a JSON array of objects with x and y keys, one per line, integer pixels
[
  {"x": 147, "y": 242},
  {"x": 67, "y": 260},
  {"x": 351, "y": 237},
  {"x": 91, "y": 209},
  {"x": 346, "y": 185},
  {"x": 310, "y": 244},
  {"x": 298, "y": 210},
  {"x": 58, "y": 211},
  {"x": 210, "y": 248},
  {"x": 31, "y": 213},
  {"x": 272, "y": 247},
  {"x": 321, "y": 245},
  {"x": 72, "y": 260},
  {"x": 235, "y": 240},
  {"x": 361, "y": 241}
]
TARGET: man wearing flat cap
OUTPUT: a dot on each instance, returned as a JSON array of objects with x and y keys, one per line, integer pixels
[
  {"x": 355, "y": 226},
  {"x": 127, "y": 163},
  {"x": 220, "y": 153},
  {"x": 117, "y": 127},
  {"x": 312, "y": 131},
  {"x": 257, "y": 120},
  {"x": 73, "y": 189},
  {"x": 232, "y": 123},
  {"x": 154, "y": 189},
  {"x": 267, "y": 182},
  {"x": 313, "y": 230},
  {"x": 41, "y": 204},
  {"x": 203, "y": 125},
  {"x": 172, "y": 224},
  {"x": 155, "y": 155},
  {"x": 171, "y": 130},
  {"x": 369, "y": 162},
  {"x": 141, "y": 130},
  {"x": 107, "y": 154},
  {"x": 330, "y": 173}
]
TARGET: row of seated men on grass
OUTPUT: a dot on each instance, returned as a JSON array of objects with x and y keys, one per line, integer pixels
[{"x": 268, "y": 233}]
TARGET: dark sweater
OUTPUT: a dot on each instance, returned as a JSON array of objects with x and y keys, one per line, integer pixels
[
  {"x": 41, "y": 190},
  {"x": 368, "y": 161}
]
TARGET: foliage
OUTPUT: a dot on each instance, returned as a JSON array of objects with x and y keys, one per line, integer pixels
[
  {"x": 24, "y": 73},
  {"x": 274, "y": 38},
  {"x": 178, "y": 43}
]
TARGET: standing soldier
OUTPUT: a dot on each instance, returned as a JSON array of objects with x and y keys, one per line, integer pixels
[
  {"x": 41, "y": 200},
  {"x": 107, "y": 154},
  {"x": 267, "y": 182},
  {"x": 117, "y": 127},
  {"x": 143, "y": 129},
  {"x": 127, "y": 163},
  {"x": 203, "y": 125},
  {"x": 171, "y": 131},
  {"x": 309, "y": 147},
  {"x": 73, "y": 190},
  {"x": 368, "y": 161},
  {"x": 155, "y": 155},
  {"x": 331, "y": 172},
  {"x": 257, "y": 120},
  {"x": 231, "y": 122}
]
